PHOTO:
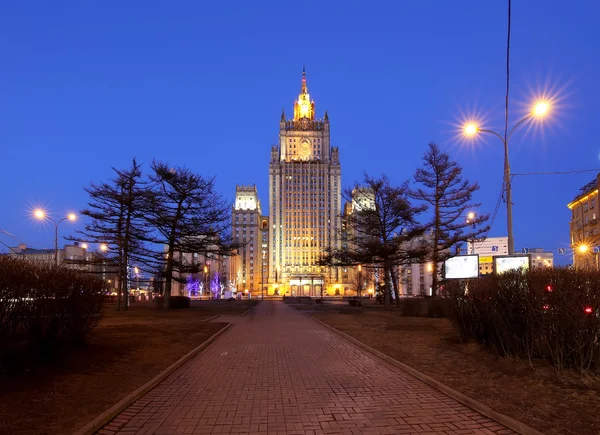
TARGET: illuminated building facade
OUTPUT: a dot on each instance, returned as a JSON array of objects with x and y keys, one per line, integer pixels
[
  {"x": 304, "y": 203},
  {"x": 584, "y": 228},
  {"x": 246, "y": 222}
]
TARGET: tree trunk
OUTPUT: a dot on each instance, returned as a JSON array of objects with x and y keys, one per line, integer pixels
[
  {"x": 123, "y": 281},
  {"x": 394, "y": 279},
  {"x": 436, "y": 243},
  {"x": 386, "y": 287},
  {"x": 434, "y": 275},
  {"x": 119, "y": 291},
  {"x": 168, "y": 279}
]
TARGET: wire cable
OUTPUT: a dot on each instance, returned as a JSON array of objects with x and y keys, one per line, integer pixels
[{"x": 576, "y": 171}]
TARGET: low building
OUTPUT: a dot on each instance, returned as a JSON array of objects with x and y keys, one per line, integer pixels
[
  {"x": 416, "y": 279},
  {"x": 487, "y": 249},
  {"x": 73, "y": 256},
  {"x": 584, "y": 227},
  {"x": 540, "y": 258}
]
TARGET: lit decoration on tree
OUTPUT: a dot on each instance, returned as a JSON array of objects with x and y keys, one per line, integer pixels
[
  {"x": 193, "y": 286},
  {"x": 215, "y": 285}
]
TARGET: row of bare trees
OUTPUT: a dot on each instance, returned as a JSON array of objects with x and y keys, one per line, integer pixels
[
  {"x": 147, "y": 220},
  {"x": 384, "y": 230}
]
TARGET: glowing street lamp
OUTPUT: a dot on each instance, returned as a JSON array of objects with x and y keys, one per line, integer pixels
[
  {"x": 539, "y": 110},
  {"x": 470, "y": 219},
  {"x": 583, "y": 248},
  {"x": 40, "y": 214},
  {"x": 104, "y": 247}
]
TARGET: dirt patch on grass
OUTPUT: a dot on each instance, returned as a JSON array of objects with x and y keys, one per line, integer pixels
[
  {"x": 127, "y": 349},
  {"x": 565, "y": 404}
]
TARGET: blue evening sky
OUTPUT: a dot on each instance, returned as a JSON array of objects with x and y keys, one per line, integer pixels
[{"x": 86, "y": 85}]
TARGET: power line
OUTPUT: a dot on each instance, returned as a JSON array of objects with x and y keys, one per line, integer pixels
[
  {"x": 505, "y": 183},
  {"x": 576, "y": 171}
]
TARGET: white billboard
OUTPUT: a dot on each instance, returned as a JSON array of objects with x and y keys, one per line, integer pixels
[
  {"x": 462, "y": 267},
  {"x": 505, "y": 263}
]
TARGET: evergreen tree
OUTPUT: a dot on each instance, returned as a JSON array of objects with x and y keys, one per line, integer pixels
[
  {"x": 381, "y": 230},
  {"x": 115, "y": 209},
  {"x": 449, "y": 195},
  {"x": 186, "y": 216}
]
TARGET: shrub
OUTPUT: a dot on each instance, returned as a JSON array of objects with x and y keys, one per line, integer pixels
[
  {"x": 44, "y": 309},
  {"x": 426, "y": 307},
  {"x": 413, "y": 307},
  {"x": 355, "y": 302},
  {"x": 175, "y": 302},
  {"x": 542, "y": 313}
]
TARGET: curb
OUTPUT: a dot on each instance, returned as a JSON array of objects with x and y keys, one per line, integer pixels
[
  {"x": 99, "y": 422},
  {"x": 510, "y": 423},
  {"x": 208, "y": 319},
  {"x": 249, "y": 309}
]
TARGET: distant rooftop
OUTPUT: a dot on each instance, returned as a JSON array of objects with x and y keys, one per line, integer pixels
[{"x": 592, "y": 185}]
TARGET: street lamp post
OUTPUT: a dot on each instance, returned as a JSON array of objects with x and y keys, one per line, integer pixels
[
  {"x": 262, "y": 277},
  {"x": 471, "y": 219},
  {"x": 42, "y": 215},
  {"x": 540, "y": 110},
  {"x": 206, "y": 284}
]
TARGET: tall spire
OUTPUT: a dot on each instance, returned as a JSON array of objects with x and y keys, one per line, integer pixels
[
  {"x": 303, "y": 107},
  {"x": 304, "y": 89}
]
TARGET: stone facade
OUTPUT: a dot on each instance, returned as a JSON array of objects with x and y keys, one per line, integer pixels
[
  {"x": 304, "y": 203},
  {"x": 584, "y": 226},
  {"x": 246, "y": 221}
]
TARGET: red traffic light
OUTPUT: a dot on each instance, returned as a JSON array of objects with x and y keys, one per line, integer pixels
[
  {"x": 588, "y": 310},
  {"x": 549, "y": 288}
]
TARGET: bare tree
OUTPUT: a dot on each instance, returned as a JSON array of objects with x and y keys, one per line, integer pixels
[
  {"x": 361, "y": 278},
  {"x": 380, "y": 230},
  {"x": 116, "y": 221},
  {"x": 187, "y": 216},
  {"x": 450, "y": 197}
]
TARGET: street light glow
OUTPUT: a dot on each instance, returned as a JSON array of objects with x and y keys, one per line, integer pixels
[
  {"x": 104, "y": 247},
  {"x": 72, "y": 216},
  {"x": 583, "y": 248},
  {"x": 39, "y": 213},
  {"x": 470, "y": 129},
  {"x": 471, "y": 215},
  {"x": 84, "y": 245},
  {"x": 541, "y": 108}
]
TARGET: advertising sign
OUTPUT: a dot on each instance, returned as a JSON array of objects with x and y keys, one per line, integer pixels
[
  {"x": 505, "y": 263},
  {"x": 462, "y": 267}
]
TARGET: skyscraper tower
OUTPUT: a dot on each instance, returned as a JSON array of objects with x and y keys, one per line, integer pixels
[{"x": 304, "y": 203}]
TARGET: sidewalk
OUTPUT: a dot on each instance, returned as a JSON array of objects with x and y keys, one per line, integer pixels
[{"x": 278, "y": 372}]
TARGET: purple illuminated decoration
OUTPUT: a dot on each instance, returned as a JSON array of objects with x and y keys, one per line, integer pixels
[
  {"x": 193, "y": 286},
  {"x": 215, "y": 285}
]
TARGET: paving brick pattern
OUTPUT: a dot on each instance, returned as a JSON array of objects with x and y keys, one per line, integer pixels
[{"x": 277, "y": 372}]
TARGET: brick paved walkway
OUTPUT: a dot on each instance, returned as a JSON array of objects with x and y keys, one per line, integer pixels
[{"x": 277, "y": 372}]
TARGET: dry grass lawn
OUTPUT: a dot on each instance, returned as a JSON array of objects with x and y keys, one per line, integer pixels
[
  {"x": 538, "y": 397},
  {"x": 127, "y": 349}
]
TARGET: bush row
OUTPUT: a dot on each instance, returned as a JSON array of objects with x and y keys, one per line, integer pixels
[
  {"x": 44, "y": 310},
  {"x": 175, "y": 302},
  {"x": 541, "y": 313}
]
